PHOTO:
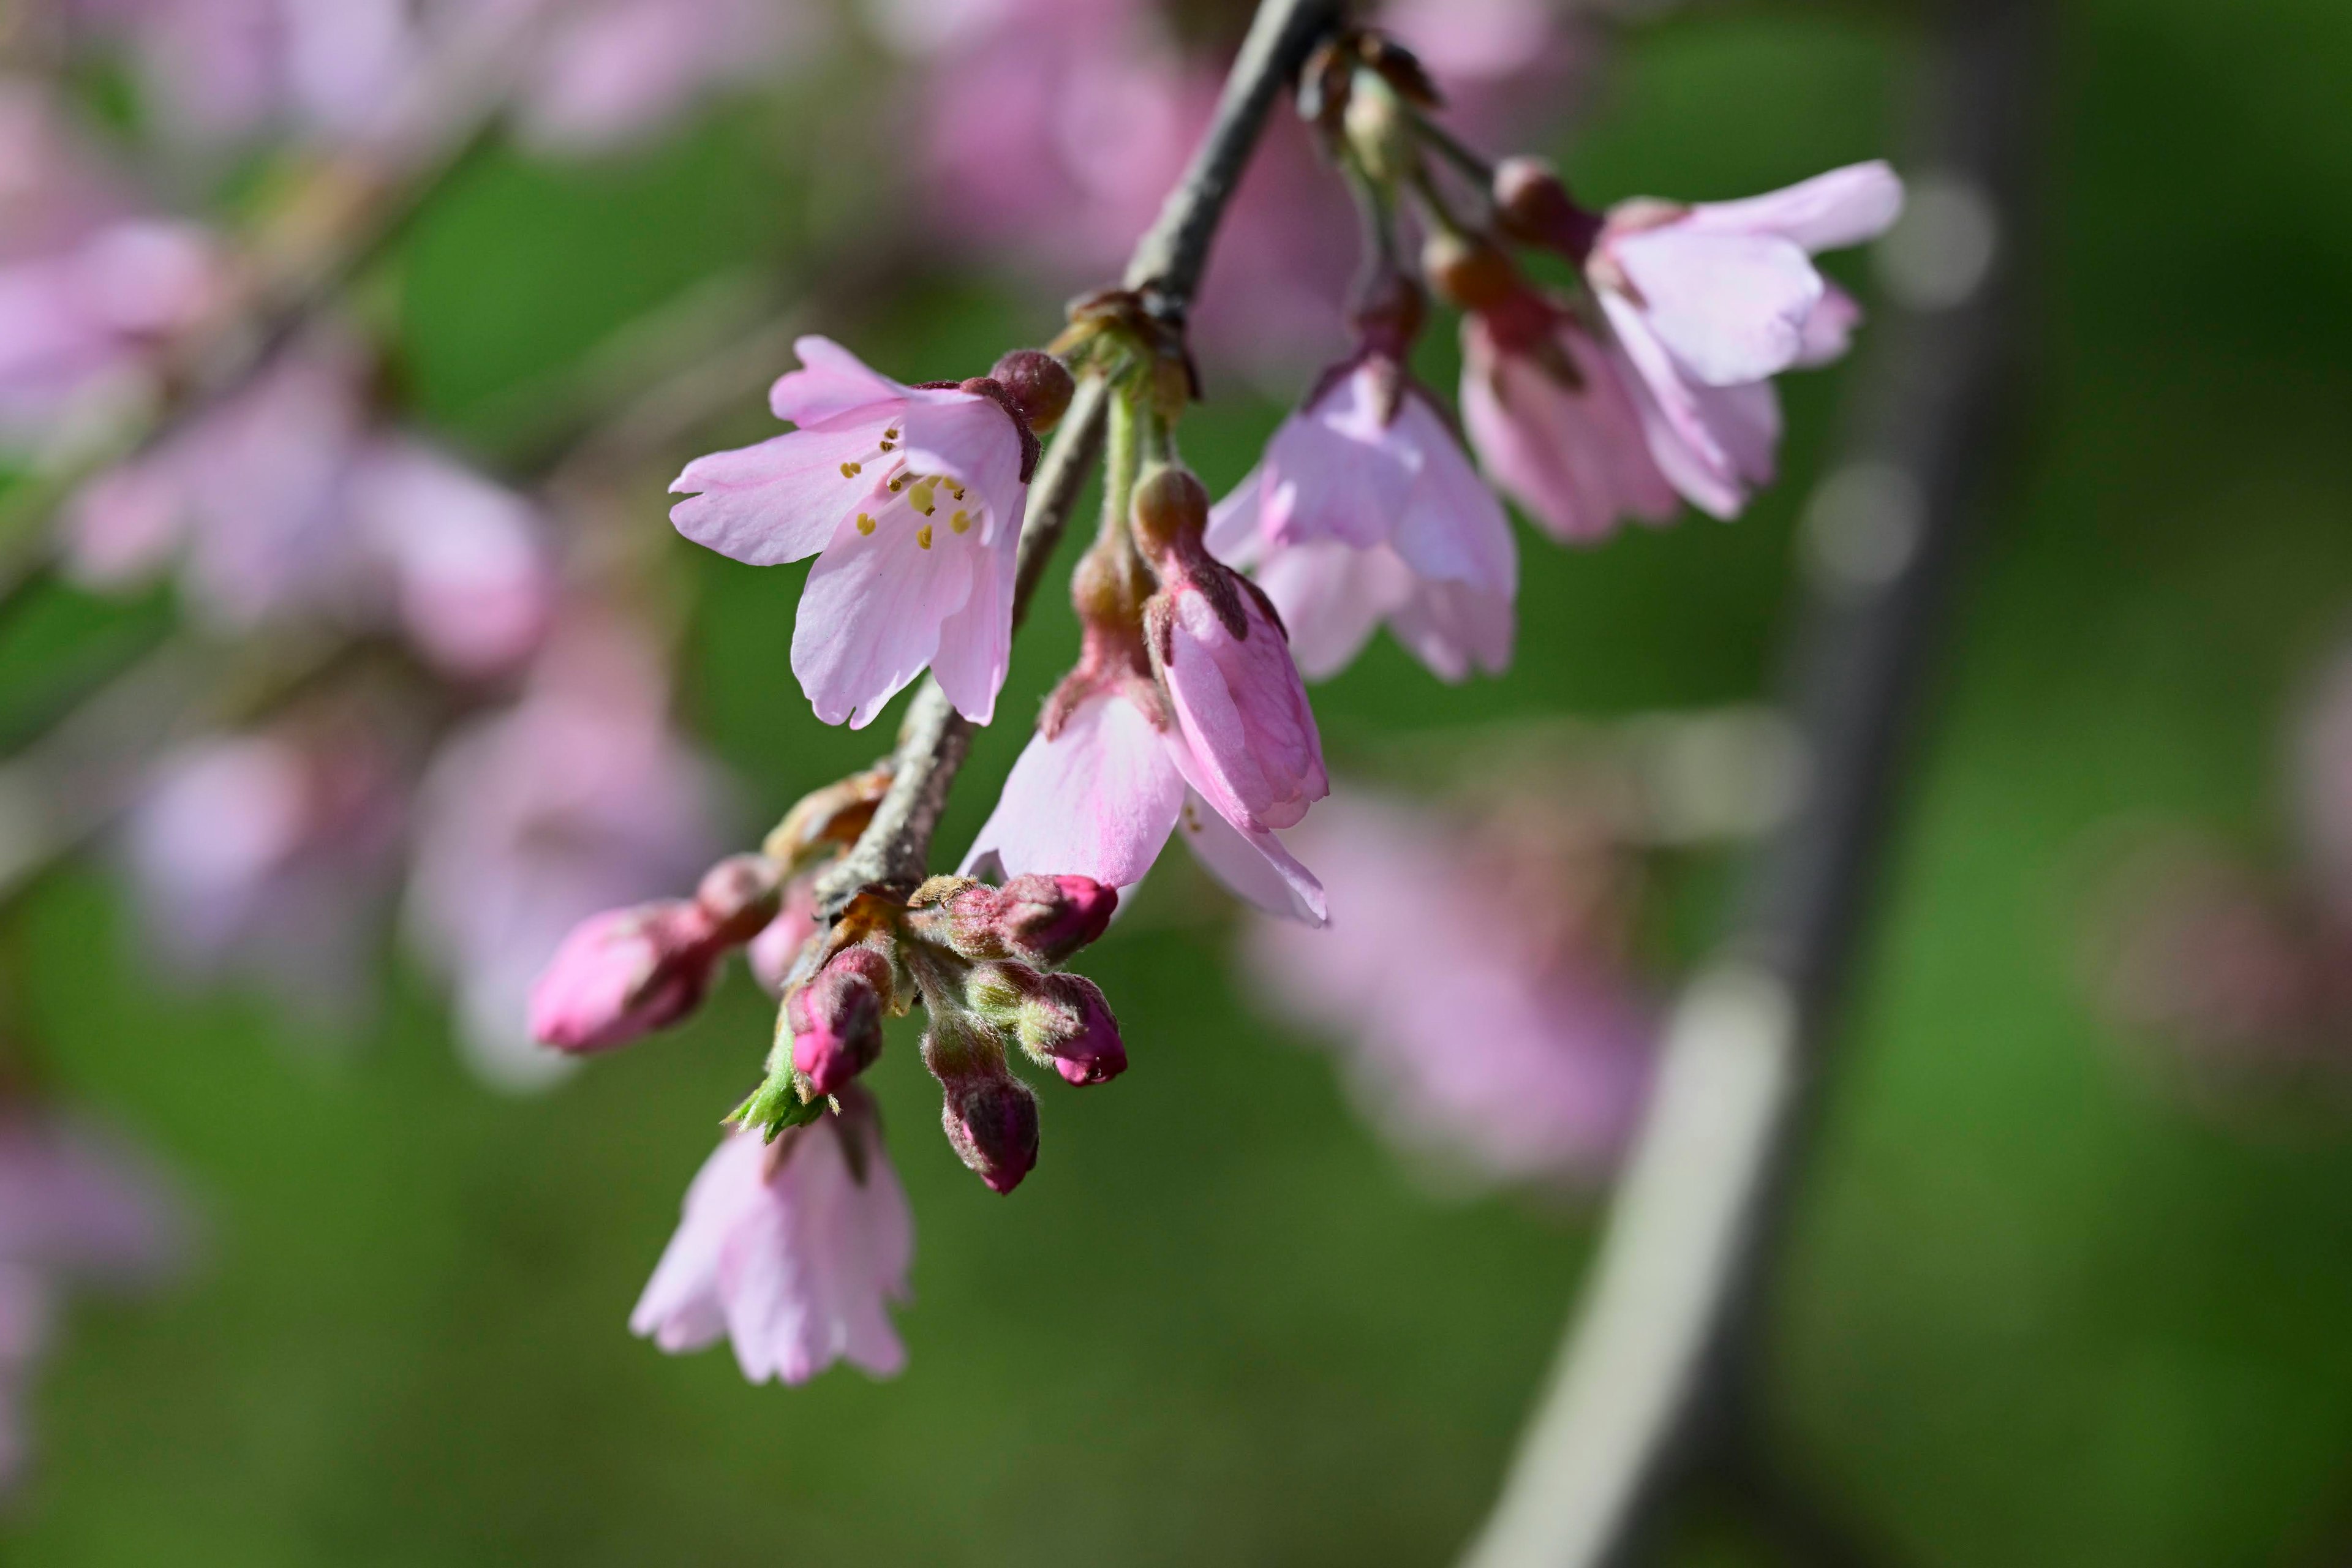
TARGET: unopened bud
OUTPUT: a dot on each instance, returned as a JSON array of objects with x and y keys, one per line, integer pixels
[
  {"x": 1471, "y": 272},
  {"x": 1035, "y": 919},
  {"x": 740, "y": 895},
  {"x": 1532, "y": 205},
  {"x": 836, "y": 1018},
  {"x": 1171, "y": 511},
  {"x": 991, "y": 1123},
  {"x": 1039, "y": 385},
  {"x": 623, "y": 975},
  {"x": 1061, "y": 1021},
  {"x": 1377, "y": 130}
]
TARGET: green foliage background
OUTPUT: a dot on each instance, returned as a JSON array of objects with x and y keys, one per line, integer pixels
[{"x": 2038, "y": 1311}]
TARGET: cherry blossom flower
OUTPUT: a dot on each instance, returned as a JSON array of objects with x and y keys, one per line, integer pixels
[
  {"x": 1250, "y": 747},
  {"x": 1364, "y": 509},
  {"x": 910, "y": 498},
  {"x": 1482, "y": 1018},
  {"x": 623, "y": 973},
  {"x": 1709, "y": 303},
  {"x": 578, "y": 799},
  {"x": 1554, "y": 420},
  {"x": 608, "y": 70},
  {"x": 792, "y": 1250}
]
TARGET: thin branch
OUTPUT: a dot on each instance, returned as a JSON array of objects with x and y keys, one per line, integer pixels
[
  {"x": 1166, "y": 267},
  {"x": 1654, "y": 1383}
]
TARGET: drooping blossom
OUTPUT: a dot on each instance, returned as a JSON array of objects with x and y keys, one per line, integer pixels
[
  {"x": 272, "y": 855},
  {"x": 1709, "y": 303},
  {"x": 1365, "y": 510},
  {"x": 1473, "y": 984},
  {"x": 1186, "y": 713},
  {"x": 794, "y": 1250},
  {"x": 288, "y": 500},
  {"x": 579, "y": 798},
  {"x": 78, "y": 1209},
  {"x": 910, "y": 498}
]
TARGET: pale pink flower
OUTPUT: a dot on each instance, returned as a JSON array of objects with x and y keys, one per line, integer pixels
[
  {"x": 1475, "y": 1028},
  {"x": 911, "y": 498},
  {"x": 1250, "y": 746},
  {"x": 465, "y": 562},
  {"x": 578, "y": 799},
  {"x": 792, "y": 1250},
  {"x": 1709, "y": 303},
  {"x": 1551, "y": 411},
  {"x": 1365, "y": 510},
  {"x": 1098, "y": 797},
  {"x": 82, "y": 326},
  {"x": 272, "y": 855}
]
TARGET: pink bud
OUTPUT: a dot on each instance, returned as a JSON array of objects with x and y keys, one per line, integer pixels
[
  {"x": 1036, "y": 919},
  {"x": 1069, "y": 1021},
  {"x": 623, "y": 975},
  {"x": 991, "y": 1120},
  {"x": 740, "y": 895},
  {"x": 1039, "y": 385},
  {"x": 836, "y": 1018}
]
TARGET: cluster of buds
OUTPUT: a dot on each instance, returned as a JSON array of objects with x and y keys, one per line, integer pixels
[{"x": 984, "y": 962}]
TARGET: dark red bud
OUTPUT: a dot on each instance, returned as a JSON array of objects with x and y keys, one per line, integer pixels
[
  {"x": 1035, "y": 919},
  {"x": 1471, "y": 272},
  {"x": 1039, "y": 385},
  {"x": 1532, "y": 205},
  {"x": 836, "y": 1018},
  {"x": 991, "y": 1123}
]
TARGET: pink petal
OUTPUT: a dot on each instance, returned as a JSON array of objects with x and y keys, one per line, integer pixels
[
  {"x": 1451, "y": 527},
  {"x": 969, "y": 437},
  {"x": 976, "y": 642},
  {"x": 1332, "y": 598},
  {"x": 1732, "y": 306},
  {"x": 832, "y": 381},
  {"x": 1573, "y": 457},
  {"x": 1453, "y": 626},
  {"x": 1828, "y": 212},
  {"x": 1829, "y": 331},
  {"x": 1234, "y": 536},
  {"x": 782, "y": 500},
  {"x": 870, "y": 616},
  {"x": 1714, "y": 444},
  {"x": 1098, "y": 800},
  {"x": 1253, "y": 863}
]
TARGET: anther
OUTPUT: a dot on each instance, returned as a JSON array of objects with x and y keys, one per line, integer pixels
[
  {"x": 865, "y": 522},
  {"x": 960, "y": 523},
  {"x": 851, "y": 471},
  {"x": 923, "y": 536}
]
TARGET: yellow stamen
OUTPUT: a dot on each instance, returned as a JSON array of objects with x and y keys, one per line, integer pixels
[
  {"x": 897, "y": 484},
  {"x": 923, "y": 536},
  {"x": 865, "y": 522},
  {"x": 851, "y": 471},
  {"x": 960, "y": 523},
  {"x": 919, "y": 497},
  {"x": 886, "y": 445},
  {"x": 891, "y": 434},
  {"x": 958, "y": 489}
]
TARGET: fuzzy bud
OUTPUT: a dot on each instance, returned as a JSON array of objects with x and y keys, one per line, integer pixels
[
  {"x": 1061, "y": 1021},
  {"x": 991, "y": 1123},
  {"x": 623, "y": 975},
  {"x": 740, "y": 895},
  {"x": 1171, "y": 512},
  {"x": 1532, "y": 205},
  {"x": 1039, "y": 385},
  {"x": 836, "y": 1018},
  {"x": 1035, "y": 919}
]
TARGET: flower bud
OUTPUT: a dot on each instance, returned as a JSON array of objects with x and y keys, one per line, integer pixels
[
  {"x": 1171, "y": 511},
  {"x": 1061, "y": 1021},
  {"x": 740, "y": 895},
  {"x": 1035, "y": 919},
  {"x": 1533, "y": 206},
  {"x": 1471, "y": 272},
  {"x": 623, "y": 975},
  {"x": 991, "y": 1121},
  {"x": 836, "y": 1018},
  {"x": 1039, "y": 385}
]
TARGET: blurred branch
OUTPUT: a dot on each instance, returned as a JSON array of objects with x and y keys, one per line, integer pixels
[
  {"x": 934, "y": 739},
  {"x": 1653, "y": 1384}
]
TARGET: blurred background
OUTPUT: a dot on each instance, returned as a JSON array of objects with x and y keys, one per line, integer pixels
[{"x": 2073, "y": 1254}]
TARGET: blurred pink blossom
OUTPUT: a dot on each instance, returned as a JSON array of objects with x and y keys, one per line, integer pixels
[
  {"x": 911, "y": 498},
  {"x": 794, "y": 1250},
  {"x": 579, "y": 798},
  {"x": 1364, "y": 509},
  {"x": 272, "y": 855},
  {"x": 77, "y": 1208},
  {"x": 1472, "y": 984},
  {"x": 609, "y": 71},
  {"x": 288, "y": 500}
]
